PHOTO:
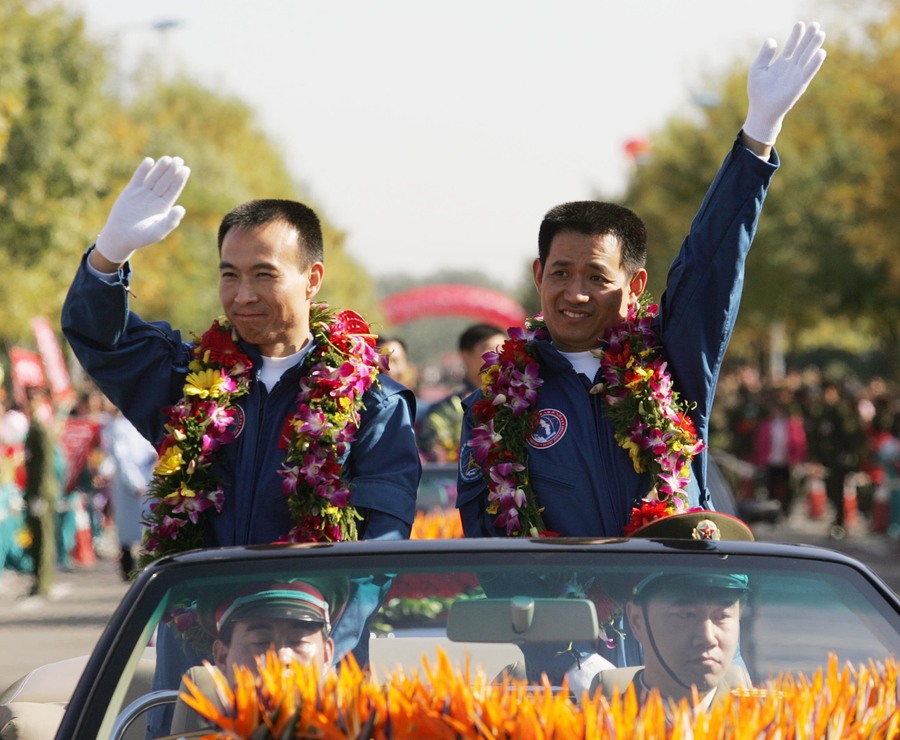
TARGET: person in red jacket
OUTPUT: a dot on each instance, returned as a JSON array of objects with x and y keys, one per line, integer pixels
[{"x": 779, "y": 446}]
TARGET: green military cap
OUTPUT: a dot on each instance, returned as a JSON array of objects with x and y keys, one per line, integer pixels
[{"x": 696, "y": 525}]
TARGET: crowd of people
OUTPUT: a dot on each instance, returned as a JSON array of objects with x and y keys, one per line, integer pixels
[
  {"x": 775, "y": 438},
  {"x": 72, "y": 479},
  {"x": 814, "y": 427}
]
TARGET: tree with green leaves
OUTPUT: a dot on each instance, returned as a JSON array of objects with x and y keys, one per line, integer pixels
[
  {"x": 55, "y": 159},
  {"x": 824, "y": 259},
  {"x": 68, "y": 144},
  {"x": 233, "y": 161}
]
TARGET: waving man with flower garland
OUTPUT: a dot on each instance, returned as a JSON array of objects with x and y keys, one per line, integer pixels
[
  {"x": 591, "y": 420},
  {"x": 277, "y": 423}
]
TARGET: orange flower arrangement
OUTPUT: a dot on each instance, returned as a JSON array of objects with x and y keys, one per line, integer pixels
[
  {"x": 439, "y": 524},
  {"x": 441, "y": 702}
]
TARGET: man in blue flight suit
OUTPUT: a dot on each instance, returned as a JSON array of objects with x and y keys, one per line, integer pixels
[
  {"x": 589, "y": 272},
  {"x": 270, "y": 269}
]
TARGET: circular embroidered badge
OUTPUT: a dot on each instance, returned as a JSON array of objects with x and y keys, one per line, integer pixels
[
  {"x": 238, "y": 422},
  {"x": 551, "y": 428}
]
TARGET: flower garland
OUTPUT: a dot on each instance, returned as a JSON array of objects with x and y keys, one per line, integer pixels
[
  {"x": 505, "y": 418},
  {"x": 343, "y": 365},
  {"x": 648, "y": 418}
]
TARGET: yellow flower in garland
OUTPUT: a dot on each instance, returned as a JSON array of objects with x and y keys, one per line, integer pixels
[
  {"x": 342, "y": 366},
  {"x": 169, "y": 462},
  {"x": 208, "y": 383}
]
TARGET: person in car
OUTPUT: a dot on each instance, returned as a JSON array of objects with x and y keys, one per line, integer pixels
[
  {"x": 564, "y": 461},
  {"x": 294, "y": 618},
  {"x": 687, "y": 624},
  {"x": 280, "y": 361},
  {"x": 689, "y": 627}
]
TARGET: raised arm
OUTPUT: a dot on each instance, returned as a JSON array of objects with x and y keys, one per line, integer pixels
[{"x": 775, "y": 84}]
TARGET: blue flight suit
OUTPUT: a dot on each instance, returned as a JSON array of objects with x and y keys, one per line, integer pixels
[
  {"x": 584, "y": 480},
  {"x": 141, "y": 367}
]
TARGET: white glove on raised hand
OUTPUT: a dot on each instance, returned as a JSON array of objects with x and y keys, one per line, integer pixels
[
  {"x": 774, "y": 86},
  {"x": 145, "y": 212}
]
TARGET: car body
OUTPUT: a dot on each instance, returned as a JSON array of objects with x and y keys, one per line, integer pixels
[{"x": 464, "y": 597}]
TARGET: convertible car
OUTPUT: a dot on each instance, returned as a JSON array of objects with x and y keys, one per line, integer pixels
[{"x": 493, "y": 614}]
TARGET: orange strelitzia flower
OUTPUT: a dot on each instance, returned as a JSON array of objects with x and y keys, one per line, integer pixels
[{"x": 443, "y": 702}]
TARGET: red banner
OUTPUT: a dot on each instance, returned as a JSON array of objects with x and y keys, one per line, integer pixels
[
  {"x": 79, "y": 437},
  {"x": 27, "y": 372},
  {"x": 490, "y": 306},
  {"x": 51, "y": 354}
]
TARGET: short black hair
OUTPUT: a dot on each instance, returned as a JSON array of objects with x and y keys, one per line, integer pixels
[
  {"x": 476, "y": 334},
  {"x": 384, "y": 339},
  {"x": 256, "y": 213},
  {"x": 597, "y": 218}
]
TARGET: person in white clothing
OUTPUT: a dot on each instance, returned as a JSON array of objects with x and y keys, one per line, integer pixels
[{"x": 129, "y": 463}]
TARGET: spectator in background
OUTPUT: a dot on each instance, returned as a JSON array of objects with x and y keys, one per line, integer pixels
[
  {"x": 93, "y": 409},
  {"x": 437, "y": 432},
  {"x": 837, "y": 443},
  {"x": 886, "y": 452},
  {"x": 130, "y": 459},
  {"x": 400, "y": 369},
  {"x": 13, "y": 428},
  {"x": 779, "y": 446},
  {"x": 744, "y": 413},
  {"x": 43, "y": 489}
]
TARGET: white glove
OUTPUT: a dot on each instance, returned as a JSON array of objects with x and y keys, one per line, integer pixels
[
  {"x": 145, "y": 212},
  {"x": 774, "y": 86}
]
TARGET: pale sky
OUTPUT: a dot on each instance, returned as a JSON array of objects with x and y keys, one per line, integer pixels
[{"x": 437, "y": 134}]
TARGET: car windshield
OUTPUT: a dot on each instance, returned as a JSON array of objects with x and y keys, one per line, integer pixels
[{"x": 504, "y": 612}]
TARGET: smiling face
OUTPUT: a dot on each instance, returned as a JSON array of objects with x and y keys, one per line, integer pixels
[
  {"x": 696, "y": 638},
  {"x": 264, "y": 290},
  {"x": 293, "y": 639},
  {"x": 583, "y": 288}
]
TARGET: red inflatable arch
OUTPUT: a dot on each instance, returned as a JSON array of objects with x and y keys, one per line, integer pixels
[{"x": 480, "y": 304}]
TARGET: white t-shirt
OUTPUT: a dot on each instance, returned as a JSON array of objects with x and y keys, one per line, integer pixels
[
  {"x": 586, "y": 363},
  {"x": 274, "y": 367}
]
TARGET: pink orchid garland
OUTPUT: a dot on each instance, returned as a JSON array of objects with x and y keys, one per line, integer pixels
[
  {"x": 504, "y": 420},
  {"x": 648, "y": 418},
  {"x": 650, "y": 421},
  {"x": 343, "y": 366}
]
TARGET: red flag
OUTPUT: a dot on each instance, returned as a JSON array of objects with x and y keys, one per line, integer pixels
[
  {"x": 51, "y": 354},
  {"x": 27, "y": 372}
]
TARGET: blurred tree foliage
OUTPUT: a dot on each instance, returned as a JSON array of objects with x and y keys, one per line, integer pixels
[
  {"x": 825, "y": 253},
  {"x": 69, "y": 143},
  {"x": 232, "y": 161},
  {"x": 55, "y": 157}
]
